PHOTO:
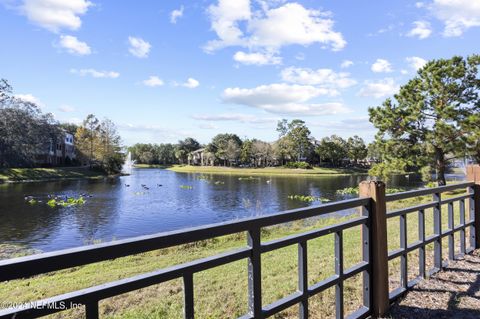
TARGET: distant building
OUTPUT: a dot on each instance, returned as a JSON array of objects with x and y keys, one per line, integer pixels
[
  {"x": 58, "y": 153},
  {"x": 201, "y": 157}
]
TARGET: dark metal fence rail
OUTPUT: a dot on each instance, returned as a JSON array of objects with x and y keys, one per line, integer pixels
[
  {"x": 42, "y": 263},
  {"x": 439, "y": 233},
  {"x": 374, "y": 264}
]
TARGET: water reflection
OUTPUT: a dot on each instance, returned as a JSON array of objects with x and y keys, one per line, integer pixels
[{"x": 116, "y": 211}]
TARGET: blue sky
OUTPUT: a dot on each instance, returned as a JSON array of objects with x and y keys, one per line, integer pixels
[{"x": 165, "y": 70}]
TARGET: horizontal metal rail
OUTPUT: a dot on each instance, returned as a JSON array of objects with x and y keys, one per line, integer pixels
[
  {"x": 295, "y": 239},
  {"x": 426, "y": 191}
]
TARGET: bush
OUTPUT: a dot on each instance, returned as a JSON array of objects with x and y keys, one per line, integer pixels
[
  {"x": 302, "y": 165},
  {"x": 113, "y": 164},
  {"x": 426, "y": 173},
  {"x": 385, "y": 169}
]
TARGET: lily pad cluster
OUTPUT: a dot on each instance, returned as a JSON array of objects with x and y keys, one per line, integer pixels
[
  {"x": 70, "y": 201},
  {"x": 354, "y": 191},
  {"x": 54, "y": 201},
  {"x": 186, "y": 187},
  {"x": 308, "y": 198},
  {"x": 250, "y": 178}
]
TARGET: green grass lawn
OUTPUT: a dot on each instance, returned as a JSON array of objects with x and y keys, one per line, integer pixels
[
  {"x": 222, "y": 292},
  {"x": 44, "y": 174},
  {"x": 264, "y": 171}
]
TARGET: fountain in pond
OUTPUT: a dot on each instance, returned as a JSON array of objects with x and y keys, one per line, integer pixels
[{"x": 128, "y": 165}]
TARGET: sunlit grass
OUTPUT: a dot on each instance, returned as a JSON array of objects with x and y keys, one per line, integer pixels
[
  {"x": 264, "y": 171},
  {"x": 44, "y": 174}
]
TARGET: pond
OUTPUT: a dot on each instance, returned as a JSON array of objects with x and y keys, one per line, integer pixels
[{"x": 122, "y": 207}]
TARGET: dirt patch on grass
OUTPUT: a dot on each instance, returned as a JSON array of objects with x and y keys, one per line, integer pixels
[{"x": 451, "y": 293}]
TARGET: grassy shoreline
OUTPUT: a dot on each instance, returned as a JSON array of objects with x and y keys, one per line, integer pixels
[
  {"x": 222, "y": 292},
  {"x": 22, "y": 175},
  {"x": 316, "y": 171}
]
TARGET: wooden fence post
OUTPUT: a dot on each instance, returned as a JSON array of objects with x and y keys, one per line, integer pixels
[
  {"x": 473, "y": 175},
  {"x": 378, "y": 248}
]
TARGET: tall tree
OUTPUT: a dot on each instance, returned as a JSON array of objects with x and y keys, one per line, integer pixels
[
  {"x": 99, "y": 144},
  {"x": 220, "y": 144},
  {"x": 25, "y": 132},
  {"x": 333, "y": 148},
  {"x": 356, "y": 148},
  {"x": 185, "y": 147},
  {"x": 436, "y": 108},
  {"x": 298, "y": 138},
  {"x": 87, "y": 138}
]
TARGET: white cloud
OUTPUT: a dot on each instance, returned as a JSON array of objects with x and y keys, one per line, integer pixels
[
  {"x": 30, "y": 98},
  {"x": 191, "y": 83},
  {"x": 421, "y": 29},
  {"x": 380, "y": 88},
  {"x": 403, "y": 71},
  {"x": 66, "y": 108},
  {"x": 419, "y": 4},
  {"x": 283, "y": 99},
  {"x": 232, "y": 117},
  {"x": 74, "y": 46},
  {"x": 457, "y": 15},
  {"x": 257, "y": 58},
  {"x": 153, "y": 81},
  {"x": 139, "y": 47},
  {"x": 55, "y": 15},
  {"x": 415, "y": 62},
  {"x": 269, "y": 29},
  {"x": 95, "y": 73},
  {"x": 346, "y": 64},
  {"x": 224, "y": 21},
  {"x": 175, "y": 14},
  {"x": 381, "y": 66},
  {"x": 325, "y": 78}
]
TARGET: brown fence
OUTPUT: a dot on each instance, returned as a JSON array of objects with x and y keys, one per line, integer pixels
[{"x": 373, "y": 266}]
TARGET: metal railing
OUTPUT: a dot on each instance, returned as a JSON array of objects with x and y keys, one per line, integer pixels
[
  {"x": 373, "y": 266},
  {"x": 438, "y": 231},
  {"x": 42, "y": 263}
]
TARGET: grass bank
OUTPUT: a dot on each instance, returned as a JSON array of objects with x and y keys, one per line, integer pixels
[
  {"x": 222, "y": 292},
  {"x": 264, "y": 171},
  {"x": 15, "y": 175}
]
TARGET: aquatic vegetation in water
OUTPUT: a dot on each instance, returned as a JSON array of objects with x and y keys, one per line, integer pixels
[
  {"x": 308, "y": 198},
  {"x": 219, "y": 183},
  {"x": 250, "y": 178},
  {"x": 186, "y": 187},
  {"x": 204, "y": 177},
  {"x": 348, "y": 191},
  {"x": 354, "y": 190},
  {"x": 32, "y": 201},
  {"x": 69, "y": 201}
]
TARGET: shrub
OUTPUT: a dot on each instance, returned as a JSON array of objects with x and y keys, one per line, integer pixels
[{"x": 302, "y": 165}]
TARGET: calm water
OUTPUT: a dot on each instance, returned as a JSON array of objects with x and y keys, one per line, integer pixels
[{"x": 115, "y": 211}]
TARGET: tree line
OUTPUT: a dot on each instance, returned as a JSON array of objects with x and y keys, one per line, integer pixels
[
  {"x": 295, "y": 147},
  {"x": 26, "y": 133}
]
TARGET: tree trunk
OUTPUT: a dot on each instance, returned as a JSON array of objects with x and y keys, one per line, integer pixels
[{"x": 441, "y": 166}]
